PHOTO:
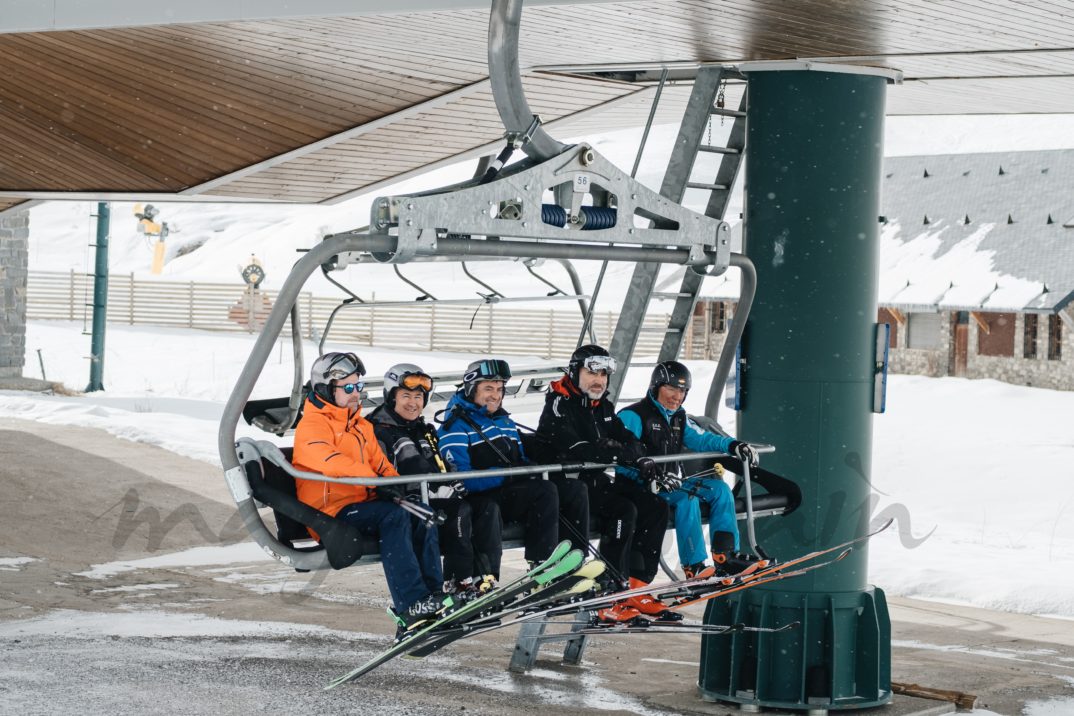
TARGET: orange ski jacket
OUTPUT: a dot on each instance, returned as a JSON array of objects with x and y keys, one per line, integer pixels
[{"x": 330, "y": 443}]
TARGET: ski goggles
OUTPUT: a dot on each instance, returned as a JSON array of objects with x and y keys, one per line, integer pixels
[
  {"x": 597, "y": 364},
  {"x": 351, "y": 388},
  {"x": 416, "y": 381},
  {"x": 490, "y": 369},
  {"x": 343, "y": 366}
]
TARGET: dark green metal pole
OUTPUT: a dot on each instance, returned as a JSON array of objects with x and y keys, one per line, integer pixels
[
  {"x": 813, "y": 164},
  {"x": 100, "y": 300}
]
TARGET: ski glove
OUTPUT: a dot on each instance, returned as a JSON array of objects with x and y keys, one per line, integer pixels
[
  {"x": 648, "y": 470},
  {"x": 608, "y": 450},
  {"x": 665, "y": 482},
  {"x": 670, "y": 481},
  {"x": 450, "y": 491},
  {"x": 743, "y": 452},
  {"x": 389, "y": 493}
]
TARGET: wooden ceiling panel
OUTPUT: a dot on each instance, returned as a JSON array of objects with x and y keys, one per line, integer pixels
[
  {"x": 456, "y": 129},
  {"x": 226, "y": 108}
]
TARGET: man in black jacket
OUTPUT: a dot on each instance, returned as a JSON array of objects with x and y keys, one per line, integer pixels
[
  {"x": 580, "y": 425},
  {"x": 470, "y": 536}
]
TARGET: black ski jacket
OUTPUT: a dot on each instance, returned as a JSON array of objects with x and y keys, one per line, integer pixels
[
  {"x": 411, "y": 445},
  {"x": 574, "y": 428}
]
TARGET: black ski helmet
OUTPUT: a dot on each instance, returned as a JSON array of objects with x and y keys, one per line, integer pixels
[
  {"x": 670, "y": 372},
  {"x": 593, "y": 357},
  {"x": 331, "y": 367},
  {"x": 485, "y": 369}
]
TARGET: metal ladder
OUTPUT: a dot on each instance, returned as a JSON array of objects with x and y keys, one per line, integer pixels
[{"x": 677, "y": 179}]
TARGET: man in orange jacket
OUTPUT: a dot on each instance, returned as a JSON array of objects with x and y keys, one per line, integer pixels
[{"x": 334, "y": 440}]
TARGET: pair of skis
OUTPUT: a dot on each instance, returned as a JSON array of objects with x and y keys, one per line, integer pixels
[
  {"x": 678, "y": 595},
  {"x": 560, "y": 563},
  {"x": 551, "y": 589}
]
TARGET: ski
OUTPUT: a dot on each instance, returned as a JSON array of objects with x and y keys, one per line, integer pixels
[
  {"x": 481, "y": 627},
  {"x": 666, "y": 628},
  {"x": 579, "y": 581},
  {"x": 682, "y": 588},
  {"x": 747, "y": 584},
  {"x": 539, "y": 575}
]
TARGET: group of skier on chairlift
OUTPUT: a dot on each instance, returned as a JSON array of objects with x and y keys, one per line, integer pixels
[{"x": 578, "y": 424}]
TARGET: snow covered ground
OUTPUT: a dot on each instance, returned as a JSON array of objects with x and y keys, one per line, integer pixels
[{"x": 977, "y": 473}]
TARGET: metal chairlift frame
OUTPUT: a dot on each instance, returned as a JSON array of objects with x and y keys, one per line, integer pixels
[
  {"x": 433, "y": 223},
  {"x": 428, "y": 299}
]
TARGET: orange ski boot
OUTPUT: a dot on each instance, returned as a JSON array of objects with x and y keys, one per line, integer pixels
[{"x": 648, "y": 605}]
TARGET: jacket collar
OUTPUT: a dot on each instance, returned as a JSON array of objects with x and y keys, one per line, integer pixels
[
  {"x": 386, "y": 415},
  {"x": 566, "y": 387},
  {"x": 317, "y": 404},
  {"x": 459, "y": 401},
  {"x": 668, "y": 414}
]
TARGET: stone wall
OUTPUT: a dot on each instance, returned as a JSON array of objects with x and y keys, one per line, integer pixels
[
  {"x": 14, "y": 256},
  {"x": 1039, "y": 372},
  {"x": 915, "y": 361}
]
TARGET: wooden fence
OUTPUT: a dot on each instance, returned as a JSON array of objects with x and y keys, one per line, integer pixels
[{"x": 225, "y": 307}]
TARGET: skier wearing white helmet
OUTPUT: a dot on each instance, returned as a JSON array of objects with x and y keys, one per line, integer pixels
[
  {"x": 471, "y": 531},
  {"x": 333, "y": 439}
]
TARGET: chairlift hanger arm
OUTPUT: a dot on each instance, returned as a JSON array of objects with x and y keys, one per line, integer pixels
[
  {"x": 505, "y": 78},
  {"x": 556, "y": 290},
  {"x": 424, "y": 294},
  {"x": 493, "y": 292}
]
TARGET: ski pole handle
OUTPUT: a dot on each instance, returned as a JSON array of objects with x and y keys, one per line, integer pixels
[{"x": 430, "y": 517}]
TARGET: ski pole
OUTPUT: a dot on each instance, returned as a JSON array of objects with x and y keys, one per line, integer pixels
[{"x": 432, "y": 518}]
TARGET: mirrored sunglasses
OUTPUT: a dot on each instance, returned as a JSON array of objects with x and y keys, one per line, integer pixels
[{"x": 351, "y": 388}]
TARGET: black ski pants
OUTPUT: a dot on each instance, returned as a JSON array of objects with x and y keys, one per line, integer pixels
[
  {"x": 573, "y": 512},
  {"x": 634, "y": 522},
  {"x": 469, "y": 536},
  {"x": 534, "y": 503}
]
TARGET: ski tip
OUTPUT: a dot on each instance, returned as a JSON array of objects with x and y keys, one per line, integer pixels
[{"x": 887, "y": 523}]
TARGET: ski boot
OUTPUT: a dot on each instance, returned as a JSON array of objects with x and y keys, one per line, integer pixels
[
  {"x": 737, "y": 564},
  {"x": 648, "y": 606},
  {"x": 730, "y": 563},
  {"x": 699, "y": 571},
  {"x": 420, "y": 612},
  {"x": 617, "y": 613},
  {"x": 469, "y": 589},
  {"x": 473, "y": 588}
]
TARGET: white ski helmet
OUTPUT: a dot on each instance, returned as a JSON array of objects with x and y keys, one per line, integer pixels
[
  {"x": 332, "y": 367},
  {"x": 409, "y": 377}
]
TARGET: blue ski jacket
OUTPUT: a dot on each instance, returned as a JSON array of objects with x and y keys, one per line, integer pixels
[
  {"x": 464, "y": 448},
  {"x": 694, "y": 437}
]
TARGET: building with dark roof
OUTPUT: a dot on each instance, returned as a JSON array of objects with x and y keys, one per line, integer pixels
[
  {"x": 976, "y": 269},
  {"x": 977, "y": 265}
]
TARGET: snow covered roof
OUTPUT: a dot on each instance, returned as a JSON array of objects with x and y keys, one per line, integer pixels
[{"x": 971, "y": 232}]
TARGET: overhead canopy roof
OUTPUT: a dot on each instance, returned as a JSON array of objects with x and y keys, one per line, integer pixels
[{"x": 214, "y": 101}]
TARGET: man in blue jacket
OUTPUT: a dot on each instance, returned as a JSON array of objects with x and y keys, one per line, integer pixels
[
  {"x": 478, "y": 434},
  {"x": 661, "y": 423}
]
